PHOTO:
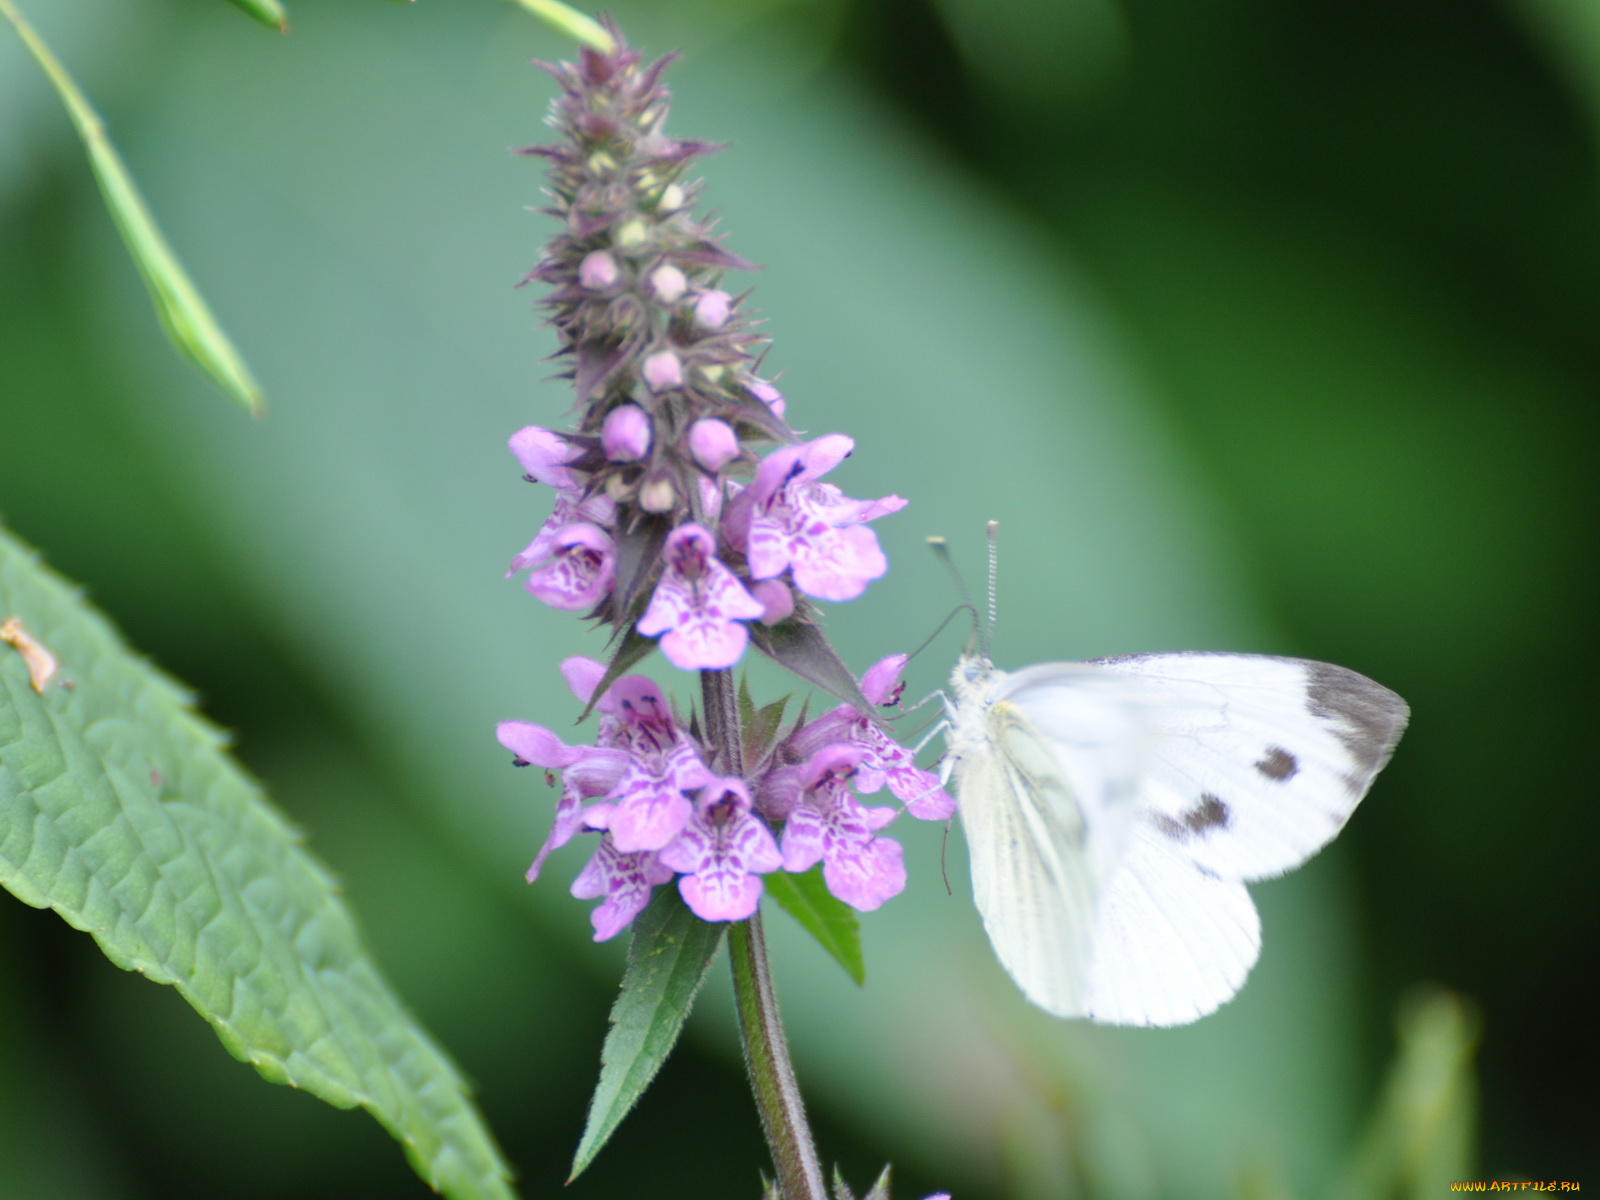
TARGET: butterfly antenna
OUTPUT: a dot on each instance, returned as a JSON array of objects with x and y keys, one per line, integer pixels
[
  {"x": 994, "y": 574},
  {"x": 941, "y": 549}
]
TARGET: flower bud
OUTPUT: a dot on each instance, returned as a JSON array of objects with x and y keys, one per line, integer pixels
[
  {"x": 598, "y": 271},
  {"x": 631, "y": 235},
  {"x": 672, "y": 198},
  {"x": 668, "y": 284},
  {"x": 712, "y": 308},
  {"x": 626, "y": 433},
  {"x": 777, "y": 601},
  {"x": 657, "y": 495},
  {"x": 713, "y": 443},
  {"x": 767, "y": 394},
  {"x": 663, "y": 371}
]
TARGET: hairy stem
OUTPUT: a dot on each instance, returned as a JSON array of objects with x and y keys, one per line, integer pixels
[{"x": 766, "y": 1051}]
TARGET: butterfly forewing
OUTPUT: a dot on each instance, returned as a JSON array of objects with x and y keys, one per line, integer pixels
[{"x": 1255, "y": 762}]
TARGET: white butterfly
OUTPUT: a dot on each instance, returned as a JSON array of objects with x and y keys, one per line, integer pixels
[{"x": 1115, "y": 809}]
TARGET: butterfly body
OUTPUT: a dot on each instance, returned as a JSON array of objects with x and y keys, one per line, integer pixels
[{"x": 1115, "y": 809}]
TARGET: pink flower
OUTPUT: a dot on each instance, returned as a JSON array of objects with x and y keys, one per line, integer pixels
[
  {"x": 625, "y": 435},
  {"x": 579, "y": 570},
  {"x": 713, "y": 443},
  {"x": 788, "y": 520},
  {"x": 712, "y": 309},
  {"x": 698, "y": 604},
  {"x": 598, "y": 271},
  {"x": 721, "y": 852},
  {"x": 647, "y": 807},
  {"x": 544, "y": 456},
  {"x": 767, "y": 394},
  {"x": 663, "y": 371},
  {"x": 624, "y": 879},
  {"x": 830, "y": 824},
  {"x": 777, "y": 601},
  {"x": 883, "y": 760},
  {"x": 587, "y": 772}
]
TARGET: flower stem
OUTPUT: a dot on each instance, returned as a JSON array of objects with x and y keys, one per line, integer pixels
[{"x": 766, "y": 1051}]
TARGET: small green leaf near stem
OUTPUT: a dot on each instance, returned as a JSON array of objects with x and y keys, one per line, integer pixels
[
  {"x": 269, "y": 12},
  {"x": 578, "y": 25},
  {"x": 184, "y": 313}
]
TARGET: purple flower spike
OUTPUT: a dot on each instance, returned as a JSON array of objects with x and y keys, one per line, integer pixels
[
  {"x": 624, "y": 879},
  {"x": 713, "y": 443},
  {"x": 721, "y": 851},
  {"x": 579, "y": 570},
  {"x": 830, "y": 824},
  {"x": 793, "y": 522},
  {"x": 698, "y": 604},
  {"x": 626, "y": 433},
  {"x": 712, "y": 309},
  {"x": 663, "y": 371}
]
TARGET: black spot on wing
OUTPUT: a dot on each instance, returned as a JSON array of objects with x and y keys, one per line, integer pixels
[
  {"x": 1278, "y": 765},
  {"x": 1366, "y": 716},
  {"x": 1211, "y": 813},
  {"x": 1208, "y": 813}
]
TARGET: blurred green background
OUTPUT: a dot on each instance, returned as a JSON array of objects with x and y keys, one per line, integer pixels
[{"x": 1259, "y": 326}]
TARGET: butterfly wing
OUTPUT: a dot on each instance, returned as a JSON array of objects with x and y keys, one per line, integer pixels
[
  {"x": 1040, "y": 825},
  {"x": 1188, "y": 774},
  {"x": 1255, "y": 763}
]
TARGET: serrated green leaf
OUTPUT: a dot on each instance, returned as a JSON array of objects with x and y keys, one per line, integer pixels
[
  {"x": 668, "y": 958},
  {"x": 184, "y": 312},
  {"x": 834, "y": 924},
  {"x": 269, "y": 12},
  {"x": 120, "y": 809}
]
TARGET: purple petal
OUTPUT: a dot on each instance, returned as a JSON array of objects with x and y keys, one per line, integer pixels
[
  {"x": 721, "y": 895},
  {"x": 864, "y": 875}
]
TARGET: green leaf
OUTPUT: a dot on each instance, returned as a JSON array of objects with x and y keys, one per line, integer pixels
[
  {"x": 635, "y": 649},
  {"x": 120, "y": 809},
  {"x": 760, "y": 728},
  {"x": 570, "y": 21},
  {"x": 183, "y": 310},
  {"x": 834, "y": 924},
  {"x": 269, "y": 12},
  {"x": 668, "y": 958},
  {"x": 804, "y": 649}
]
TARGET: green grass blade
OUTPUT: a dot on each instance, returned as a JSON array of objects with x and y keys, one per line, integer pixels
[
  {"x": 1424, "y": 1128},
  {"x": 578, "y": 25},
  {"x": 834, "y": 924},
  {"x": 269, "y": 12},
  {"x": 183, "y": 310},
  {"x": 121, "y": 810},
  {"x": 668, "y": 959}
]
